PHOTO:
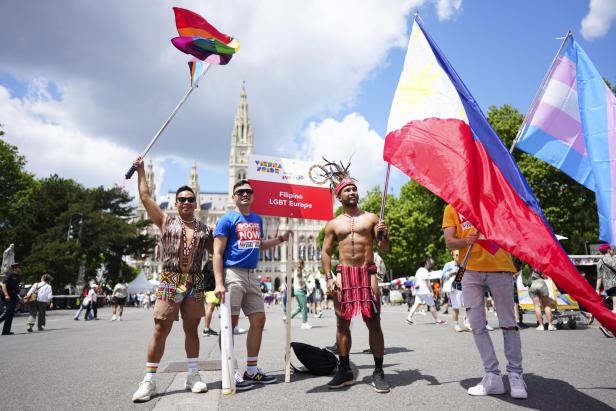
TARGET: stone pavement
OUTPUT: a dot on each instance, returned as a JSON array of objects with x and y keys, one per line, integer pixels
[{"x": 98, "y": 364}]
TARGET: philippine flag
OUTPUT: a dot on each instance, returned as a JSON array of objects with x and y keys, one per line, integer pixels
[{"x": 438, "y": 135}]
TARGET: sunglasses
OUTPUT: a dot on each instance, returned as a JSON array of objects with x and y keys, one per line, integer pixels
[
  {"x": 244, "y": 191},
  {"x": 185, "y": 199}
]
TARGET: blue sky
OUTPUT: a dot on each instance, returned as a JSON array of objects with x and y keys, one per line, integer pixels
[{"x": 320, "y": 77}]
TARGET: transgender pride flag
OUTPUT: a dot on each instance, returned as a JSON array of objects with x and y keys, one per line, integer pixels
[
  {"x": 438, "y": 135},
  {"x": 572, "y": 126}
]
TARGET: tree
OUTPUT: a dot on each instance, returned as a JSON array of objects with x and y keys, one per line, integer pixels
[
  {"x": 57, "y": 225},
  {"x": 13, "y": 179}
]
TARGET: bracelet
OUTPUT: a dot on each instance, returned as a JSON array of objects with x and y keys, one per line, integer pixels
[{"x": 280, "y": 239}]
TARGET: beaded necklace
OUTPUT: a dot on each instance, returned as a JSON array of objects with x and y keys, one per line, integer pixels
[
  {"x": 352, "y": 218},
  {"x": 187, "y": 247}
]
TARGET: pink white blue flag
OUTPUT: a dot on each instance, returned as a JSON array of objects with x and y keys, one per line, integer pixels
[{"x": 572, "y": 126}]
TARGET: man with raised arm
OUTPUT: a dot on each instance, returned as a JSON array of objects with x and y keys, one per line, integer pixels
[
  {"x": 181, "y": 285},
  {"x": 354, "y": 280},
  {"x": 237, "y": 243}
]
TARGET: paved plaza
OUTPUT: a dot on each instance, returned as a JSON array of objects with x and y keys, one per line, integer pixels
[{"x": 98, "y": 364}]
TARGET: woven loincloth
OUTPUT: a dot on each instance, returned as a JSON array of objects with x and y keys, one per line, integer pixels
[
  {"x": 172, "y": 284},
  {"x": 356, "y": 295}
]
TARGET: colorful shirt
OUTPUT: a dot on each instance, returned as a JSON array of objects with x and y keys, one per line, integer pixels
[
  {"x": 244, "y": 234},
  {"x": 480, "y": 259}
]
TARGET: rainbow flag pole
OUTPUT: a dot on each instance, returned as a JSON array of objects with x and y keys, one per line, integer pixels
[
  {"x": 206, "y": 45},
  {"x": 195, "y": 84}
]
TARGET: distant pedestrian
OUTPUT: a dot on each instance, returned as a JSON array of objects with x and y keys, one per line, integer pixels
[
  {"x": 118, "y": 297},
  {"x": 10, "y": 294},
  {"x": 38, "y": 308},
  {"x": 84, "y": 303},
  {"x": 299, "y": 288},
  {"x": 606, "y": 269},
  {"x": 540, "y": 294},
  {"x": 93, "y": 306},
  {"x": 211, "y": 300},
  {"x": 425, "y": 293},
  {"x": 317, "y": 297}
]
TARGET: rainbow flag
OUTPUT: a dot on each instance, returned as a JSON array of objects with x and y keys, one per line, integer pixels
[
  {"x": 572, "y": 126},
  {"x": 438, "y": 135},
  {"x": 201, "y": 40}
]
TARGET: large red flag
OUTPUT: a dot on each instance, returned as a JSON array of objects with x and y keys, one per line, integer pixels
[{"x": 438, "y": 135}]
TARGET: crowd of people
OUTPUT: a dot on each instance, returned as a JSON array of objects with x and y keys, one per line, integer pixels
[{"x": 231, "y": 253}]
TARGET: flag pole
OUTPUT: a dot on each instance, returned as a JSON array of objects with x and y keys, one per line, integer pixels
[
  {"x": 289, "y": 280},
  {"x": 132, "y": 170},
  {"x": 542, "y": 86},
  {"x": 379, "y": 235}
]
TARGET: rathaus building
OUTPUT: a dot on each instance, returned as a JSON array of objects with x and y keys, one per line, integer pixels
[{"x": 212, "y": 205}]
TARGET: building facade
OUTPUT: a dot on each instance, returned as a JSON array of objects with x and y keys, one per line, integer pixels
[{"x": 212, "y": 205}]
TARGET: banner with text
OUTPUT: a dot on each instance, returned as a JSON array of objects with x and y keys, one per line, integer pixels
[{"x": 283, "y": 188}]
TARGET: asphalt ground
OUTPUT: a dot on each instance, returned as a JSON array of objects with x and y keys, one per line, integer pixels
[{"x": 98, "y": 364}]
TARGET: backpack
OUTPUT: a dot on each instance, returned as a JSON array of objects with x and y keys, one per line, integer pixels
[{"x": 318, "y": 361}]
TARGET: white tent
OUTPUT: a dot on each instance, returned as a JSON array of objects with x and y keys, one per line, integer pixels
[{"x": 140, "y": 284}]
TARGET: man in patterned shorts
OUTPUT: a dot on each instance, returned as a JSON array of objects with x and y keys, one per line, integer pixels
[{"x": 181, "y": 287}]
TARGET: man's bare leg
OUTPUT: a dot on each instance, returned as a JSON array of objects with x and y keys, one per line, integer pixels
[
  {"x": 156, "y": 347},
  {"x": 255, "y": 334},
  {"x": 191, "y": 340}
]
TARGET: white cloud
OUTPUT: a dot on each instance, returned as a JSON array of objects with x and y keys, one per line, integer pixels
[
  {"x": 32, "y": 125},
  {"x": 599, "y": 19},
  {"x": 118, "y": 77},
  {"x": 350, "y": 139},
  {"x": 446, "y": 9}
]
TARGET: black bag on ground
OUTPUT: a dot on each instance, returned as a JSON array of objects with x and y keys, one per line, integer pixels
[{"x": 318, "y": 361}]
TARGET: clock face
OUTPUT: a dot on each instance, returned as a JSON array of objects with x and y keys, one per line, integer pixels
[{"x": 317, "y": 174}]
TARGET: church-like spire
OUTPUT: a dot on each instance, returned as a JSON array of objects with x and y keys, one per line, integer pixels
[
  {"x": 193, "y": 181},
  {"x": 241, "y": 144}
]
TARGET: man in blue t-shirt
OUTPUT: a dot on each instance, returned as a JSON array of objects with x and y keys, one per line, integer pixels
[{"x": 238, "y": 239}]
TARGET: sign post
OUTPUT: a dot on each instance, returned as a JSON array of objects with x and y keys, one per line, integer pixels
[{"x": 285, "y": 188}]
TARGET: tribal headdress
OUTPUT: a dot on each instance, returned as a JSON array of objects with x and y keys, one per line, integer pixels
[{"x": 338, "y": 175}]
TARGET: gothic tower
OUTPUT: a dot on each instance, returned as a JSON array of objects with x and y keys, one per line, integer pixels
[
  {"x": 241, "y": 146},
  {"x": 193, "y": 181}
]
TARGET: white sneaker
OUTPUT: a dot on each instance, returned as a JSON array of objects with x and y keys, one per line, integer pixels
[
  {"x": 145, "y": 391},
  {"x": 491, "y": 384},
  {"x": 551, "y": 328},
  {"x": 194, "y": 383},
  {"x": 306, "y": 326},
  {"x": 239, "y": 330},
  {"x": 320, "y": 314},
  {"x": 489, "y": 328},
  {"x": 113, "y": 318},
  {"x": 457, "y": 328},
  {"x": 119, "y": 318},
  {"x": 540, "y": 328},
  {"x": 517, "y": 386}
]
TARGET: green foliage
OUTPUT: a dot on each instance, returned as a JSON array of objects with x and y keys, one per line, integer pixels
[{"x": 39, "y": 215}]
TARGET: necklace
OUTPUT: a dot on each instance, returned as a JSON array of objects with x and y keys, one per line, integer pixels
[
  {"x": 188, "y": 222},
  {"x": 352, "y": 218},
  {"x": 187, "y": 247}
]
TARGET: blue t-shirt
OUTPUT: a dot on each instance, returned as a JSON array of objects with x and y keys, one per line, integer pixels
[{"x": 244, "y": 234}]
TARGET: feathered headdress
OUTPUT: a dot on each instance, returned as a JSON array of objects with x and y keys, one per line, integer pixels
[{"x": 338, "y": 175}]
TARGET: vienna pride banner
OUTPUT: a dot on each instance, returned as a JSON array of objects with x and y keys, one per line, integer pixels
[{"x": 283, "y": 188}]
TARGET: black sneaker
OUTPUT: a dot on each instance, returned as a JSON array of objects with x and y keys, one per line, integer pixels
[
  {"x": 241, "y": 384},
  {"x": 341, "y": 379},
  {"x": 209, "y": 333},
  {"x": 259, "y": 378},
  {"x": 333, "y": 348},
  {"x": 379, "y": 383},
  {"x": 522, "y": 326}
]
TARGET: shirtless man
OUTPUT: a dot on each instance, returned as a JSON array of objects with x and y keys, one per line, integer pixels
[
  {"x": 181, "y": 288},
  {"x": 354, "y": 282}
]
